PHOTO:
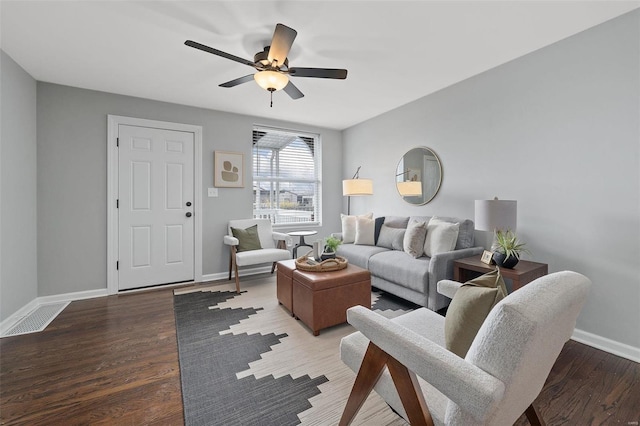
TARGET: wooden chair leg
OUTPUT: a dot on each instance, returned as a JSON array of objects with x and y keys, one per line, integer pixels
[
  {"x": 273, "y": 267},
  {"x": 370, "y": 371},
  {"x": 235, "y": 268},
  {"x": 230, "y": 264},
  {"x": 408, "y": 388},
  {"x": 237, "y": 278},
  {"x": 533, "y": 416}
]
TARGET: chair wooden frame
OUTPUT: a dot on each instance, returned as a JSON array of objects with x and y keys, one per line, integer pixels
[
  {"x": 407, "y": 385},
  {"x": 233, "y": 266}
]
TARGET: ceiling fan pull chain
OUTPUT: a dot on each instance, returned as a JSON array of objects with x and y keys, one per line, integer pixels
[{"x": 271, "y": 93}]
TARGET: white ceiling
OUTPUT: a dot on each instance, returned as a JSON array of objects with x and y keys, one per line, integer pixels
[{"x": 395, "y": 51}]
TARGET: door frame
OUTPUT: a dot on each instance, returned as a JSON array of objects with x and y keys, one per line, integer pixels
[{"x": 113, "y": 121}]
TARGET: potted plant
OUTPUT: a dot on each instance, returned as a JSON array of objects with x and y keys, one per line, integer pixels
[
  {"x": 508, "y": 249},
  {"x": 330, "y": 246}
]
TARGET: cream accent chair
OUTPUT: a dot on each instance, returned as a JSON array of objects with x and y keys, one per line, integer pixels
[
  {"x": 274, "y": 246},
  {"x": 501, "y": 375}
]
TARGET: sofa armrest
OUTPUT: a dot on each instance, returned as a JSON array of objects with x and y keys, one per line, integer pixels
[
  {"x": 441, "y": 265},
  {"x": 441, "y": 268},
  {"x": 471, "y": 388},
  {"x": 337, "y": 235},
  {"x": 231, "y": 241}
]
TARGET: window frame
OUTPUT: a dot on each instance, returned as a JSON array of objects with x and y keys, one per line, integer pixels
[{"x": 317, "y": 158}]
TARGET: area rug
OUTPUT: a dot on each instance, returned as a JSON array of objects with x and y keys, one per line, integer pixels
[{"x": 245, "y": 361}]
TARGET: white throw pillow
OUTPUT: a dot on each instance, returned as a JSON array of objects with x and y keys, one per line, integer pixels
[
  {"x": 441, "y": 236},
  {"x": 365, "y": 231},
  {"x": 414, "y": 236},
  {"x": 349, "y": 226}
]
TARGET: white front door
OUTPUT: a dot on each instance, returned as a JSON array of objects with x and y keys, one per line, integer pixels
[{"x": 155, "y": 206}]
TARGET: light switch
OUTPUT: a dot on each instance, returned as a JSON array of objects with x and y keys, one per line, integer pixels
[{"x": 213, "y": 192}]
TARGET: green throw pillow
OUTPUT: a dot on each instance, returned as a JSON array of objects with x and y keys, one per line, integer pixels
[
  {"x": 468, "y": 309},
  {"x": 248, "y": 238}
]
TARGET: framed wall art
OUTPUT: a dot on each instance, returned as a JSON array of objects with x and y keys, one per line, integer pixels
[{"x": 228, "y": 169}]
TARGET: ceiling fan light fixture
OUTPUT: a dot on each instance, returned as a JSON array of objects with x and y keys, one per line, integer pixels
[{"x": 271, "y": 80}]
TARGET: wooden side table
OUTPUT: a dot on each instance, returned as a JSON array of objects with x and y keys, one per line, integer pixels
[{"x": 523, "y": 273}]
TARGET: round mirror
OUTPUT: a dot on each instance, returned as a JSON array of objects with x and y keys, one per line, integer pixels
[{"x": 418, "y": 176}]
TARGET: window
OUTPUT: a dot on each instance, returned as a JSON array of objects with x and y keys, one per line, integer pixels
[{"x": 286, "y": 177}]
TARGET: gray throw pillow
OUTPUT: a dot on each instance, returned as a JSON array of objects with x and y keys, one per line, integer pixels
[
  {"x": 248, "y": 238},
  {"x": 413, "y": 242},
  {"x": 390, "y": 238},
  {"x": 468, "y": 309}
]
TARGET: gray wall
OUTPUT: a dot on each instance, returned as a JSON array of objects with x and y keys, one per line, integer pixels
[
  {"x": 72, "y": 180},
  {"x": 557, "y": 130},
  {"x": 18, "y": 236}
]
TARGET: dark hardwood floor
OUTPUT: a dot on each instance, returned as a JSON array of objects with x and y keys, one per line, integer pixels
[{"x": 113, "y": 360}]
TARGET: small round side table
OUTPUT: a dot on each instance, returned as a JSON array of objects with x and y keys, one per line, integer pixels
[{"x": 302, "y": 242}]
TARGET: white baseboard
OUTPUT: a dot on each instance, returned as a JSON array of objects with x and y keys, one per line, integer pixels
[
  {"x": 611, "y": 346},
  {"x": 243, "y": 272},
  {"x": 13, "y": 319}
]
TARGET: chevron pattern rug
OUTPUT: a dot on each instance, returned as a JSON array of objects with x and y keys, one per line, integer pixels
[{"x": 245, "y": 361}]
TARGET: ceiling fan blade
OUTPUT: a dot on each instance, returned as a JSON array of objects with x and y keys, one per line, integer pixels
[
  {"x": 318, "y": 73},
  {"x": 217, "y": 52},
  {"x": 237, "y": 81},
  {"x": 281, "y": 43},
  {"x": 291, "y": 90}
]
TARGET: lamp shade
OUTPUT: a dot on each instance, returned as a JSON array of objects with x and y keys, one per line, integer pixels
[
  {"x": 492, "y": 215},
  {"x": 271, "y": 80},
  {"x": 351, "y": 187},
  {"x": 409, "y": 188}
]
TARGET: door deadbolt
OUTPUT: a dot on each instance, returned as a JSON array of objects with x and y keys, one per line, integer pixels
[{"x": 188, "y": 203}]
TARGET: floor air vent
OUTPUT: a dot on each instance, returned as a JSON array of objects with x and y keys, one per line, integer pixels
[{"x": 36, "y": 320}]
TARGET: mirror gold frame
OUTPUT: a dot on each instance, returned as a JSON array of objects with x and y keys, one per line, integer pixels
[{"x": 418, "y": 175}]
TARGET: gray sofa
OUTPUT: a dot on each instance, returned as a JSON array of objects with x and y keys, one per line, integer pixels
[{"x": 413, "y": 279}]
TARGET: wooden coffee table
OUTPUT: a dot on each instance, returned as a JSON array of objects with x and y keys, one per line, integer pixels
[{"x": 321, "y": 299}]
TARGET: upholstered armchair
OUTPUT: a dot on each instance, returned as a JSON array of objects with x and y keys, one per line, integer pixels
[
  {"x": 499, "y": 378},
  {"x": 272, "y": 247}
]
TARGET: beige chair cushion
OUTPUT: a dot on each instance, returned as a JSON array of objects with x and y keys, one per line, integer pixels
[{"x": 469, "y": 308}]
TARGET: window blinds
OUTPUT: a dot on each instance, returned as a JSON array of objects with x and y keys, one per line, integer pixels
[{"x": 286, "y": 181}]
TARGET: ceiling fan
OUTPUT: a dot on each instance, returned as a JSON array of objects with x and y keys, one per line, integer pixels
[{"x": 273, "y": 66}]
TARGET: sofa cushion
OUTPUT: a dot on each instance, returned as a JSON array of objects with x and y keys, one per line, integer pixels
[
  {"x": 468, "y": 309},
  {"x": 413, "y": 242},
  {"x": 349, "y": 226},
  {"x": 391, "y": 238},
  {"x": 359, "y": 255},
  {"x": 441, "y": 237},
  {"x": 365, "y": 230},
  {"x": 406, "y": 271},
  {"x": 466, "y": 233},
  {"x": 247, "y": 238},
  {"x": 396, "y": 221}
]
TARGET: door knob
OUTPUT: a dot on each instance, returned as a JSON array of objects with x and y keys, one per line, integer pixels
[
  {"x": 188, "y": 214},
  {"x": 188, "y": 203}
]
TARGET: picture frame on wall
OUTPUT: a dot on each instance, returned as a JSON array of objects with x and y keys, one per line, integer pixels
[{"x": 228, "y": 169}]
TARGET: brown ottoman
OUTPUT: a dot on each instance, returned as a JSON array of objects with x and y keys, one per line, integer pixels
[
  {"x": 284, "y": 283},
  {"x": 321, "y": 299}
]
